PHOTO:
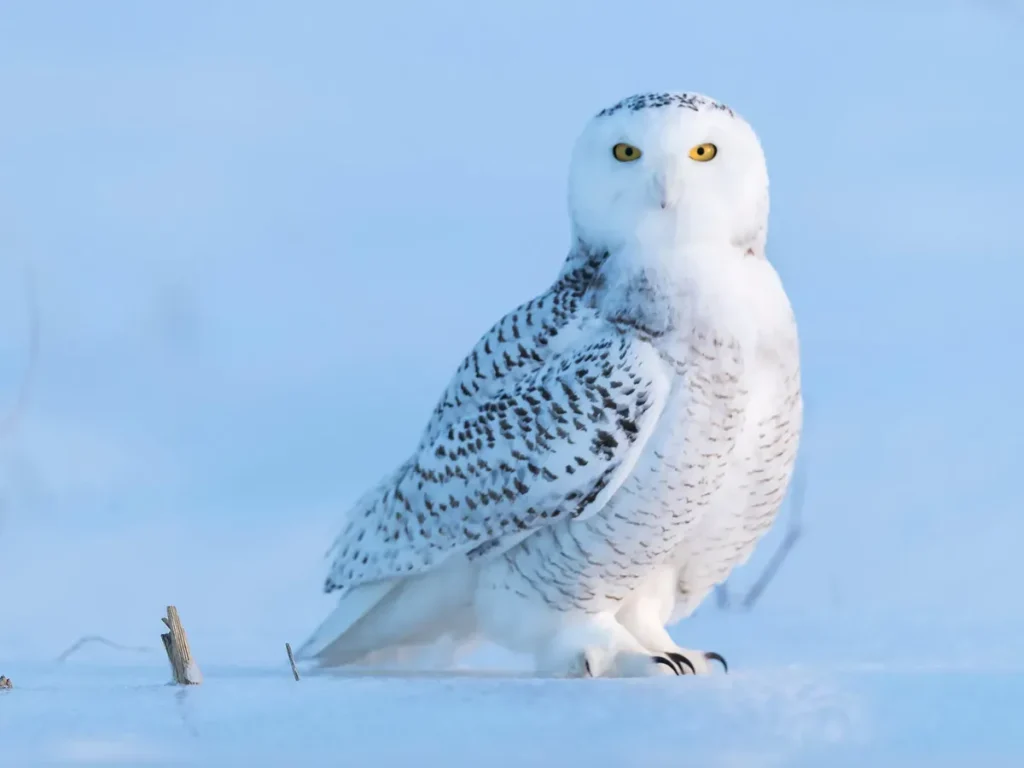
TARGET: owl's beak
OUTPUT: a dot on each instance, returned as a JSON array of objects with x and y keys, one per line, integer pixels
[{"x": 666, "y": 187}]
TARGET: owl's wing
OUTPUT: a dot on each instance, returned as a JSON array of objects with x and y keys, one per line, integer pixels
[
  {"x": 520, "y": 342},
  {"x": 556, "y": 443}
]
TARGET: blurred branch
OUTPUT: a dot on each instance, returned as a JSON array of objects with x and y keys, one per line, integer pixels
[
  {"x": 9, "y": 422},
  {"x": 723, "y": 598},
  {"x": 794, "y": 532},
  {"x": 88, "y": 639}
]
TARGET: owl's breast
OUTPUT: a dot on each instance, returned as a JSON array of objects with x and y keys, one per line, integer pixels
[
  {"x": 757, "y": 478},
  {"x": 595, "y": 562}
]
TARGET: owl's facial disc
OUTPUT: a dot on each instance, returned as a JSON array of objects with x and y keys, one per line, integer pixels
[{"x": 675, "y": 169}]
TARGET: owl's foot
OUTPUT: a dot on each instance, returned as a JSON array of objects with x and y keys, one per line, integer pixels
[
  {"x": 594, "y": 662},
  {"x": 601, "y": 647},
  {"x": 690, "y": 662}
]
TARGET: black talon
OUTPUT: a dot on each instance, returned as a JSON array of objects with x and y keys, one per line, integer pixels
[
  {"x": 679, "y": 659},
  {"x": 586, "y": 667},
  {"x": 712, "y": 656},
  {"x": 667, "y": 663}
]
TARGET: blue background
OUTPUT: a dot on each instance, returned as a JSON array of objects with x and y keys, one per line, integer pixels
[{"x": 262, "y": 235}]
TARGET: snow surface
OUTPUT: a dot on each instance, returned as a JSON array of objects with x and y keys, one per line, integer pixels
[
  {"x": 795, "y": 716},
  {"x": 262, "y": 235}
]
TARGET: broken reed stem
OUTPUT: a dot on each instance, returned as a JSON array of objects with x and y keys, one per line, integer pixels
[
  {"x": 291, "y": 660},
  {"x": 183, "y": 666}
]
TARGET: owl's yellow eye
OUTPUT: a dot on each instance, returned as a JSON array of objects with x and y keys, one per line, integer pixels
[
  {"x": 703, "y": 152},
  {"x": 626, "y": 153}
]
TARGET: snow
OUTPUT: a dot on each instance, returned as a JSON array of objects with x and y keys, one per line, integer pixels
[
  {"x": 792, "y": 716},
  {"x": 260, "y": 242}
]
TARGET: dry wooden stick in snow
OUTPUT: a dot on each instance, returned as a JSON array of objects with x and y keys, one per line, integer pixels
[
  {"x": 291, "y": 660},
  {"x": 183, "y": 666}
]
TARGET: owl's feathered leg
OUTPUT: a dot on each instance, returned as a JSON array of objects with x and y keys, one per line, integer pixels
[
  {"x": 645, "y": 614},
  {"x": 564, "y": 640},
  {"x": 598, "y": 646}
]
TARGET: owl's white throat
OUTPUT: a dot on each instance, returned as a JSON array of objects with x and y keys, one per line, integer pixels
[{"x": 666, "y": 292}]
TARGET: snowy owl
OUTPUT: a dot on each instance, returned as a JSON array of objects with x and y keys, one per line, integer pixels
[{"x": 609, "y": 450}]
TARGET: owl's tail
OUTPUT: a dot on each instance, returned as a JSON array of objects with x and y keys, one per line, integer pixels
[
  {"x": 351, "y": 608},
  {"x": 378, "y": 621}
]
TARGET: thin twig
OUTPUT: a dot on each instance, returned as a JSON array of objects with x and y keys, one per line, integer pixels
[
  {"x": 87, "y": 639},
  {"x": 793, "y": 534},
  {"x": 723, "y": 598},
  {"x": 778, "y": 558},
  {"x": 291, "y": 660},
  {"x": 794, "y": 531}
]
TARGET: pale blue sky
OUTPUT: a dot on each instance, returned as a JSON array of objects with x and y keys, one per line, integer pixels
[{"x": 263, "y": 234}]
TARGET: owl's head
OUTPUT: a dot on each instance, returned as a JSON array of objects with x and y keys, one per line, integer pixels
[{"x": 672, "y": 169}]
